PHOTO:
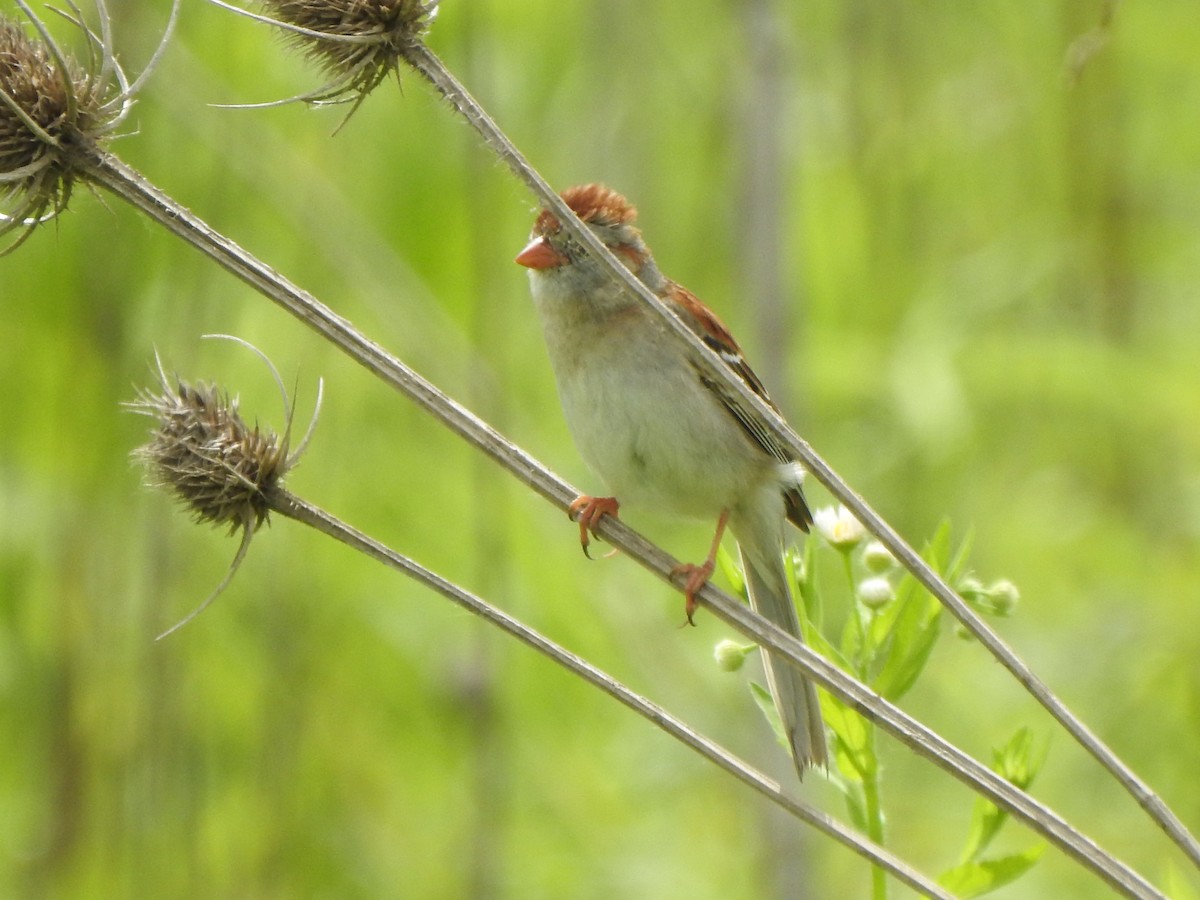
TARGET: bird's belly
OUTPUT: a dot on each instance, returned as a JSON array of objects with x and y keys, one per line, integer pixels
[{"x": 661, "y": 441}]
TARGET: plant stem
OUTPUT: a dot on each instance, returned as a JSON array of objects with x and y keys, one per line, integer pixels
[
  {"x": 300, "y": 510},
  {"x": 112, "y": 174},
  {"x": 872, "y": 795},
  {"x": 858, "y": 614},
  {"x": 429, "y": 66},
  {"x": 873, "y": 808}
]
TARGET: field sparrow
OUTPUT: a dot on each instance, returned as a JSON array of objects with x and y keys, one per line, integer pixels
[{"x": 658, "y": 432}]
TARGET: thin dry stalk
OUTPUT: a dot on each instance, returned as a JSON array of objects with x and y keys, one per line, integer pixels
[
  {"x": 105, "y": 170},
  {"x": 291, "y": 505},
  {"x": 414, "y": 52},
  {"x": 112, "y": 174},
  {"x": 227, "y": 473},
  {"x": 51, "y": 110},
  {"x": 427, "y": 64}
]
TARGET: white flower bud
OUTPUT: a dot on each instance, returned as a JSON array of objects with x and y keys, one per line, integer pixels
[
  {"x": 878, "y": 558},
  {"x": 876, "y": 592},
  {"x": 971, "y": 588},
  {"x": 1004, "y": 596},
  {"x": 730, "y": 655}
]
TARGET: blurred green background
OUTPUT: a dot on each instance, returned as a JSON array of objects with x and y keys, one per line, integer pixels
[{"x": 962, "y": 254}]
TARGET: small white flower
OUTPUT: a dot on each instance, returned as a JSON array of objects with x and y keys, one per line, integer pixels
[
  {"x": 839, "y": 527},
  {"x": 876, "y": 592}
]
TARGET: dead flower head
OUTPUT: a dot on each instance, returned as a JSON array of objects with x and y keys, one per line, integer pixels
[
  {"x": 54, "y": 112},
  {"x": 358, "y": 42},
  {"x": 221, "y": 469},
  {"x": 202, "y": 451}
]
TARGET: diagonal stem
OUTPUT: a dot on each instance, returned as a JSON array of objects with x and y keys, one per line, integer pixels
[
  {"x": 296, "y": 508},
  {"x": 892, "y": 719},
  {"x": 429, "y": 66},
  {"x": 114, "y": 175}
]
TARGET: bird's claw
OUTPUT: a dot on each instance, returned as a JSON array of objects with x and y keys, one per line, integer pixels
[
  {"x": 694, "y": 578},
  {"x": 587, "y": 512}
]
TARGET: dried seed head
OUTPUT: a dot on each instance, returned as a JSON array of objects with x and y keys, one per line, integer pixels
[
  {"x": 359, "y": 42},
  {"x": 219, "y": 467},
  {"x": 223, "y": 470},
  {"x": 51, "y": 109}
]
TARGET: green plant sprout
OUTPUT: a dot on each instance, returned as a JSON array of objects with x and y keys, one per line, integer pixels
[
  {"x": 976, "y": 873},
  {"x": 886, "y": 640}
]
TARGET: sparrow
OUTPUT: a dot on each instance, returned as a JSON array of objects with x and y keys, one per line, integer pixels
[{"x": 660, "y": 433}]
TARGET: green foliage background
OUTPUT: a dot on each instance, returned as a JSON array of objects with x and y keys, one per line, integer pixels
[{"x": 987, "y": 310}]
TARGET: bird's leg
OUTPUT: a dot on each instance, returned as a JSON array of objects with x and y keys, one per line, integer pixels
[
  {"x": 587, "y": 512},
  {"x": 696, "y": 576}
]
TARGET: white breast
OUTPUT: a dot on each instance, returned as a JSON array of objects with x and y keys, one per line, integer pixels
[{"x": 640, "y": 415}]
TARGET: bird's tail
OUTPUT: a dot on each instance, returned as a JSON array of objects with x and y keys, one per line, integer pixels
[{"x": 795, "y": 696}]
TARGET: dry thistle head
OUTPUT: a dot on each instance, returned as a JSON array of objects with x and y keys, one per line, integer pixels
[
  {"x": 359, "y": 42},
  {"x": 219, "y": 467},
  {"x": 51, "y": 111}
]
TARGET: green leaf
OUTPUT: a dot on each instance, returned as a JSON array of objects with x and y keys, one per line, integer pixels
[
  {"x": 732, "y": 572},
  {"x": 934, "y": 552},
  {"x": 816, "y": 639},
  {"x": 1016, "y": 760},
  {"x": 977, "y": 878},
  {"x": 766, "y": 704},
  {"x": 805, "y": 583},
  {"x": 986, "y": 821},
  {"x": 856, "y": 805},
  {"x": 909, "y": 651},
  {"x": 907, "y": 629},
  {"x": 1016, "y": 763},
  {"x": 958, "y": 565},
  {"x": 851, "y": 644},
  {"x": 852, "y": 739},
  {"x": 1177, "y": 885}
]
